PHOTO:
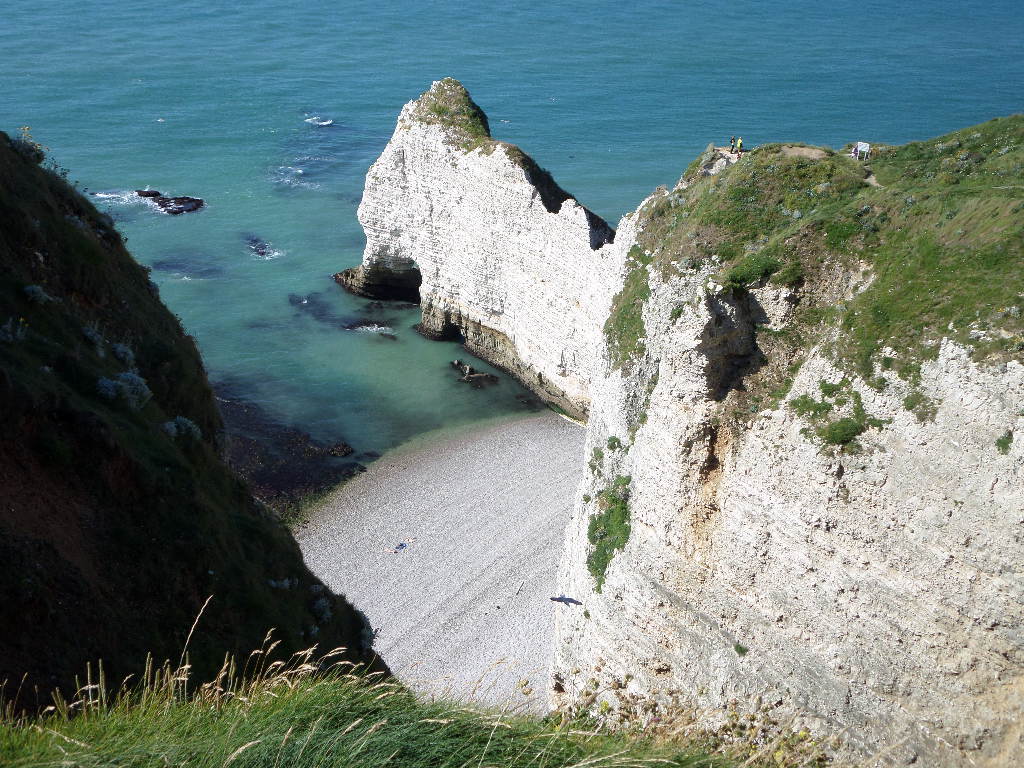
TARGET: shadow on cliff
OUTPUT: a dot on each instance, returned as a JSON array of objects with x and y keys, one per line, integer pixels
[{"x": 729, "y": 342}]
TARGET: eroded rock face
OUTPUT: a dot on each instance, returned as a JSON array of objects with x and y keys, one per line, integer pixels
[
  {"x": 496, "y": 252},
  {"x": 873, "y": 594}
]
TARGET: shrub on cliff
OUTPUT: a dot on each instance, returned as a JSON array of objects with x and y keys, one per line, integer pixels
[{"x": 608, "y": 530}]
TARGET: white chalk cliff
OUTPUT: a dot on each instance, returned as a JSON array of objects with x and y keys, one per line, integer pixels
[
  {"x": 501, "y": 255},
  {"x": 877, "y": 593}
]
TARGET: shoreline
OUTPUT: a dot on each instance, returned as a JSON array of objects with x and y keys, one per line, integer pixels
[{"x": 462, "y": 609}]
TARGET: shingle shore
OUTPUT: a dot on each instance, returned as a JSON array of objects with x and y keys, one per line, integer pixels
[{"x": 482, "y": 514}]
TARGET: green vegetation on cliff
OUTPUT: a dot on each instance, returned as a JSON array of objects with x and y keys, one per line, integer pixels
[
  {"x": 310, "y": 711},
  {"x": 449, "y": 105},
  {"x": 608, "y": 530},
  {"x": 119, "y": 517},
  {"x": 624, "y": 329},
  {"x": 930, "y": 235}
]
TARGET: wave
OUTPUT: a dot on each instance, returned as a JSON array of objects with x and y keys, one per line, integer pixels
[
  {"x": 374, "y": 328},
  {"x": 291, "y": 176},
  {"x": 317, "y": 120},
  {"x": 124, "y": 197}
]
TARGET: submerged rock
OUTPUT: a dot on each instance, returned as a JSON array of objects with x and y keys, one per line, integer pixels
[
  {"x": 470, "y": 375},
  {"x": 282, "y": 463}
]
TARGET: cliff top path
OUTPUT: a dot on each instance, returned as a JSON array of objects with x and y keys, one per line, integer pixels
[{"x": 481, "y": 516}]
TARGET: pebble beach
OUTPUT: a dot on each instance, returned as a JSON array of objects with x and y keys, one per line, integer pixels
[{"x": 451, "y": 547}]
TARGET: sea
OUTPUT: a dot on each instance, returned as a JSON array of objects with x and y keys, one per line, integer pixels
[{"x": 272, "y": 111}]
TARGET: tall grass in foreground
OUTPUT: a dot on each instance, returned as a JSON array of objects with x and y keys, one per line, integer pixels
[{"x": 306, "y": 712}]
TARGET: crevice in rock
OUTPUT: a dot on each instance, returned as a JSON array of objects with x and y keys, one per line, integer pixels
[{"x": 729, "y": 343}]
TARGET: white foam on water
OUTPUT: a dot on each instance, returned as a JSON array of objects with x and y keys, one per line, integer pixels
[
  {"x": 269, "y": 255},
  {"x": 126, "y": 197},
  {"x": 375, "y": 329},
  {"x": 317, "y": 120},
  {"x": 292, "y": 177}
]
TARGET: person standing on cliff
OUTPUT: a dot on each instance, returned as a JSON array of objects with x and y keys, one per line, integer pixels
[
  {"x": 739, "y": 146},
  {"x": 732, "y": 145}
]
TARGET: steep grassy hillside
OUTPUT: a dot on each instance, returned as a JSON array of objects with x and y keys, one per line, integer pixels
[{"x": 118, "y": 518}]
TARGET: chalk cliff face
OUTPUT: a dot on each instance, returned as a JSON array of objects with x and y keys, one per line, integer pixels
[
  {"x": 875, "y": 593},
  {"x": 805, "y": 497},
  {"x": 501, "y": 255}
]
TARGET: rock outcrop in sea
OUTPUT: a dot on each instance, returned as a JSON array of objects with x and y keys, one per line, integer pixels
[
  {"x": 805, "y": 494},
  {"x": 490, "y": 246}
]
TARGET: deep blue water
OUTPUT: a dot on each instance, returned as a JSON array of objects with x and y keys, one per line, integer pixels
[{"x": 210, "y": 99}]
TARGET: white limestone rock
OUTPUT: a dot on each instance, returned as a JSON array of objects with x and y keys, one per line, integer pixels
[
  {"x": 507, "y": 259},
  {"x": 877, "y": 595}
]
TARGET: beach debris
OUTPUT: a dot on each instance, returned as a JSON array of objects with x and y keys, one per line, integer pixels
[
  {"x": 566, "y": 600},
  {"x": 402, "y": 545}
]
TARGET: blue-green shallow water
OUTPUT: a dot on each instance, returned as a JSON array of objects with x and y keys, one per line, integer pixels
[{"x": 209, "y": 99}]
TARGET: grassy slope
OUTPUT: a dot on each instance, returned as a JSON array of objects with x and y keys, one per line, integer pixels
[
  {"x": 113, "y": 533},
  {"x": 330, "y": 722},
  {"x": 942, "y": 237},
  {"x": 322, "y": 714}
]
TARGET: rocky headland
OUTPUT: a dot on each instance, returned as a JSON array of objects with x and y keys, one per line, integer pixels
[{"x": 803, "y": 382}]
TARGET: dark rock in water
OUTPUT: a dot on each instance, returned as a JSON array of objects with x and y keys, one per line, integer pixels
[
  {"x": 480, "y": 380},
  {"x": 258, "y": 245},
  {"x": 174, "y": 206},
  {"x": 530, "y": 401},
  {"x": 472, "y": 376},
  {"x": 388, "y": 336},
  {"x": 178, "y": 205},
  {"x": 321, "y": 310},
  {"x": 281, "y": 463},
  {"x": 315, "y": 306}
]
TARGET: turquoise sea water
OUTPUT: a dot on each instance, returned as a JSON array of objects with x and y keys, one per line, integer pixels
[{"x": 211, "y": 99}]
